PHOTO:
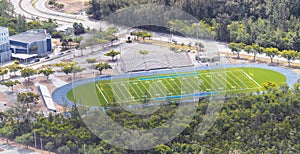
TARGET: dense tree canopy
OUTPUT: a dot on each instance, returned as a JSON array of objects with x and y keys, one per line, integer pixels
[
  {"x": 265, "y": 122},
  {"x": 269, "y": 23}
]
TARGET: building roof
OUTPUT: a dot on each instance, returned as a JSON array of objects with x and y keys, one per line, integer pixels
[
  {"x": 23, "y": 56},
  {"x": 30, "y": 36}
]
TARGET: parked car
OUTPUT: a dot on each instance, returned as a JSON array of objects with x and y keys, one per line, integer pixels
[
  {"x": 47, "y": 57},
  {"x": 61, "y": 53},
  {"x": 36, "y": 60}
]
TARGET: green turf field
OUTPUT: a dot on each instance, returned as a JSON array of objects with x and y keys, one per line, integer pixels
[{"x": 159, "y": 88}]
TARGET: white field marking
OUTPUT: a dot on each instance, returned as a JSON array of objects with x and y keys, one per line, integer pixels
[
  {"x": 102, "y": 93},
  {"x": 120, "y": 91},
  {"x": 251, "y": 78},
  {"x": 134, "y": 92},
  {"x": 230, "y": 82},
  {"x": 158, "y": 87},
  {"x": 203, "y": 82},
  {"x": 170, "y": 85},
  {"x": 175, "y": 84},
  {"x": 190, "y": 85},
  {"x": 204, "y": 79},
  {"x": 146, "y": 89},
  {"x": 139, "y": 89},
  {"x": 114, "y": 89},
  {"x": 178, "y": 85},
  {"x": 234, "y": 80},
  {"x": 193, "y": 83},
  {"x": 246, "y": 87},
  {"x": 221, "y": 83},
  {"x": 126, "y": 88}
]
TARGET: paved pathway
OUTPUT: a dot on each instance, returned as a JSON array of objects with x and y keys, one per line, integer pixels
[{"x": 57, "y": 82}]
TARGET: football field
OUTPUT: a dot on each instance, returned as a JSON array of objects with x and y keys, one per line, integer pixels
[
  {"x": 163, "y": 87},
  {"x": 177, "y": 86}
]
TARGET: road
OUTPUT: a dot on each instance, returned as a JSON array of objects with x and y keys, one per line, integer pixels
[
  {"x": 32, "y": 9},
  {"x": 37, "y": 8}
]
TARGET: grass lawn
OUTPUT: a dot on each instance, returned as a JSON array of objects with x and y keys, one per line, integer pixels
[{"x": 160, "y": 88}]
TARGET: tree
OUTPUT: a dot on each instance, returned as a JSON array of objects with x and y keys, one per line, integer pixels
[
  {"x": 27, "y": 73},
  {"x": 46, "y": 72},
  {"x": 14, "y": 67},
  {"x": 28, "y": 97},
  {"x": 102, "y": 66},
  {"x": 271, "y": 52},
  {"x": 142, "y": 34},
  {"x": 78, "y": 28},
  {"x": 49, "y": 146},
  {"x": 112, "y": 54},
  {"x": 7, "y": 131},
  {"x": 24, "y": 139},
  {"x": 254, "y": 49},
  {"x": 289, "y": 55},
  {"x": 64, "y": 150},
  {"x": 11, "y": 84},
  {"x": 3, "y": 71},
  {"x": 164, "y": 149},
  {"x": 236, "y": 47},
  {"x": 70, "y": 68}
]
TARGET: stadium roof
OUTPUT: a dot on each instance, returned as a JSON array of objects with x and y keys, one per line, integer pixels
[{"x": 30, "y": 36}]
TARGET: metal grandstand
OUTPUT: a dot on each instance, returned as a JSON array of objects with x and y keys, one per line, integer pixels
[{"x": 157, "y": 58}]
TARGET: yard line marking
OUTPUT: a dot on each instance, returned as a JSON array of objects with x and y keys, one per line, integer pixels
[
  {"x": 239, "y": 85},
  {"x": 102, "y": 93},
  {"x": 192, "y": 88},
  {"x": 221, "y": 83},
  {"x": 227, "y": 82},
  {"x": 158, "y": 87},
  {"x": 251, "y": 78},
  {"x": 169, "y": 85},
  {"x": 147, "y": 90},
  {"x": 121, "y": 91},
  {"x": 139, "y": 89},
  {"x": 134, "y": 91},
  {"x": 206, "y": 87}
]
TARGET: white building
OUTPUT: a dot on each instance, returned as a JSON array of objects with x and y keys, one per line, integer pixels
[{"x": 5, "y": 53}]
